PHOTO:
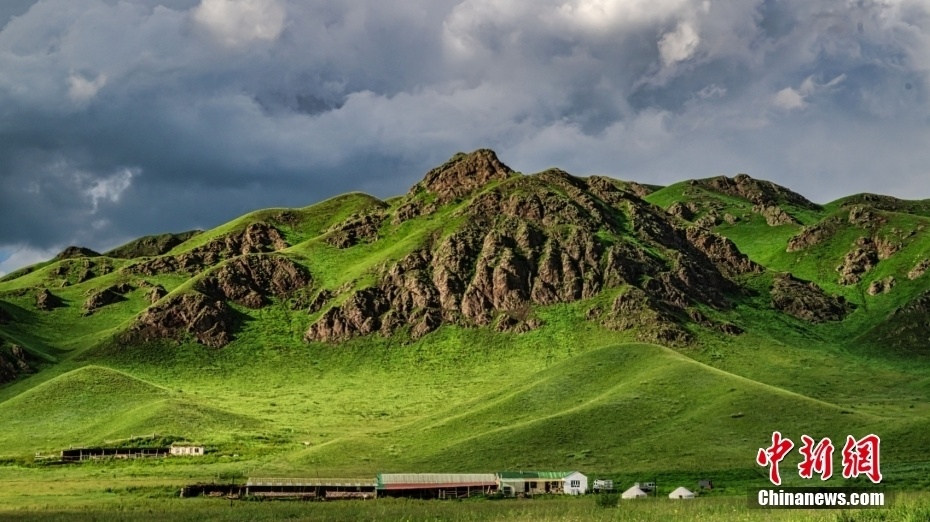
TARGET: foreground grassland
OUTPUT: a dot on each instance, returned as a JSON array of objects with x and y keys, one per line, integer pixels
[{"x": 123, "y": 507}]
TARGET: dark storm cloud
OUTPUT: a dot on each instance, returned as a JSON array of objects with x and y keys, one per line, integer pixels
[{"x": 132, "y": 117}]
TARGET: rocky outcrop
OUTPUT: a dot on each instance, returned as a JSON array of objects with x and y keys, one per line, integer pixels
[
  {"x": 151, "y": 245},
  {"x": 14, "y": 362},
  {"x": 652, "y": 321},
  {"x": 858, "y": 261},
  {"x": 682, "y": 210},
  {"x": 80, "y": 269},
  {"x": 46, "y": 300},
  {"x": 757, "y": 191},
  {"x": 207, "y": 320},
  {"x": 767, "y": 197},
  {"x": 774, "y": 215},
  {"x": 885, "y": 248},
  {"x": 638, "y": 189},
  {"x": 919, "y": 269},
  {"x": 723, "y": 252},
  {"x": 864, "y": 217},
  {"x": 708, "y": 221},
  {"x": 813, "y": 234},
  {"x": 255, "y": 238},
  {"x": 355, "y": 229},
  {"x": 457, "y": 179},
  {"x": 534, "y": 240},
  {"x": 881, "y": 286},
  {"x": 107, "y": 296},
  {"x": 876, "y": 202},
  {"x": 156, "y": 293},
  {"x": 805, "y": 300},
  {"x": 462, "y": 174},
  {"x": 73, "y": 252},
  {"x": 250, "y": 280},
  {"x": 361, "y": 314}
]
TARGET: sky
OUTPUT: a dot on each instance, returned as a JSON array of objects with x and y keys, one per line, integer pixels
[{"x": 121, "y": 118}]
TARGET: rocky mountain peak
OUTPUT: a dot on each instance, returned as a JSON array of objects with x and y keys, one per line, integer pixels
[
  {"x": 757, "y": 191},
  {"x": 533, "y": 241},
  {"x": 75, "y": 251},
  {"x": 464, "y": 173}
]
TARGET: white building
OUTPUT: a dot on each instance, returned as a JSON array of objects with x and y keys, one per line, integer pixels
[
  {"x": 634, "y": 492},
  {"x": 187, "y": 450},
  {"x": 575, "y": 484},
  {"x": 529, "y": 483},
  {"x": 681, "y": 493}
]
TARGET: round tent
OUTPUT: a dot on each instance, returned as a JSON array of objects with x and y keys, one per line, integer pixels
[
  {"x": 681, "y": 493},
  {"x": 633, "y": 492}
]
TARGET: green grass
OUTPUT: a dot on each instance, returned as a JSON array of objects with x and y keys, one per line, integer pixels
[
  {"x": 297, "y": 225},
  {"x": 569, "y": 395},
  {"x": 152, "y": 504},
  {"x": 67, "y": 408}
]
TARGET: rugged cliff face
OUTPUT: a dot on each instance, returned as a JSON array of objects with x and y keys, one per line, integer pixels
[
  {"x": 805, "y": 300},
  {"x": 250, "y": 280},
  {"x": 209, "y": 321},
  {"x": 14, "y": 361},
  {"x": 533, "y": 240},
  {"x": 257, "y": 237},
  {"x": 768, "y": 199},
  {"x": 473, "y": 244}
]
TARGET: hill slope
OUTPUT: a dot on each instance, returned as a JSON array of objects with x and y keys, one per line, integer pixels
[{"x": 479, "y": 320}]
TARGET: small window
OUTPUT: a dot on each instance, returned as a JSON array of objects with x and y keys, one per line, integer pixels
[{"x": 576, "y": 484}]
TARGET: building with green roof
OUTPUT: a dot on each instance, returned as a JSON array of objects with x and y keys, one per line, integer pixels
[{"x": 529, "y": 483}]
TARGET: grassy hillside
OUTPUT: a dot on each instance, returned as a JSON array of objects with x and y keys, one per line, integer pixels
[
  {"x": 483, "y": 321},
  {"x": 67, "y": 408},
  {"x": 603, "y": 410}
]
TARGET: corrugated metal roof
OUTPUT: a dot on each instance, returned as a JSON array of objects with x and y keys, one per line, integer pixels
[
  {"x": 534, "y": 474},
  {"x": 285, "y": 481},
  {"x": 434, "y": 480}
]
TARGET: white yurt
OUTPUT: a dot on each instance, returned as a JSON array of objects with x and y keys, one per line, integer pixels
[
  {"x": 633, "y": 492},
  {"x": 681, "y": 493}
]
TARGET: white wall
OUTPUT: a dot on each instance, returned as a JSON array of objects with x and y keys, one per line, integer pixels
[{"x": 580, "y": 480}]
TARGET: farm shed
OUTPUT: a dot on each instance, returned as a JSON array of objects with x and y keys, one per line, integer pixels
[
  {"x": 78, "y": 454},
  {"x": 527, "y": 483},
  {"x": 187, "y": 450},
  {"x": 435, "y": 485},
  {"x": 310, "y": 488},
  {"x": 634, "y": 492},
  {"x": 681, "y": 493}
]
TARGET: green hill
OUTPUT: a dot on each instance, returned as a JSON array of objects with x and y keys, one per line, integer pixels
[
  {"x": 605, "y": 410},
  {"x": 485, "y": 320},
  {"x": 68, "y": 408}
]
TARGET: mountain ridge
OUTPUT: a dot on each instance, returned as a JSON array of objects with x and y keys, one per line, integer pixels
[{"x": 477, "y": 244}]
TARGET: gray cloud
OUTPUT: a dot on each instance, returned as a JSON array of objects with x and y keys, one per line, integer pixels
[{"x": 125, "y": 118}]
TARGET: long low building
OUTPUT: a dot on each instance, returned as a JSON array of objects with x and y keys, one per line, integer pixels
[
  {"x": 78, "y": 454},
  {"x": 528, "y": 483},
  {"x": 436, "y": 485},
  {"x": 415, "y": 485},
  {"x": 310, "y": 488}
]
